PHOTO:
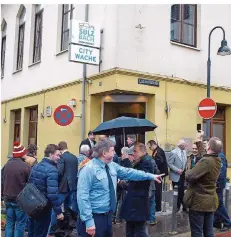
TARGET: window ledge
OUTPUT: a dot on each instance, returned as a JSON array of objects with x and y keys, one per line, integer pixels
[
  {"x": 31, "y": 65},
  {"x": 62, "y": 52},
  {"x": 17, "y": 71},
  {"x": 185, "y": 46}
]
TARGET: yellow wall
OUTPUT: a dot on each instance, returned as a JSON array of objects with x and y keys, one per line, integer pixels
[
  {"x": 48, "y": 130},
  {"x": 181, "y": 122}
]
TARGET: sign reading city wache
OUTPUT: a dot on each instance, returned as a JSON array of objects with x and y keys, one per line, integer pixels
[
  {"x": 148, "y": 82},
  {"x": 82, "y": 54},
  {"x": 83, "y": 33}
]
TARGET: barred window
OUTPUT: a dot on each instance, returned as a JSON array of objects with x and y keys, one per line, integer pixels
[
  {"x": 3, "y": 50},
  {"x": 184, "y": 24},
  {"x": 67, "y": 15},
  {"x": 38, "y": 33},
  {"x": 21, "y": 39}
]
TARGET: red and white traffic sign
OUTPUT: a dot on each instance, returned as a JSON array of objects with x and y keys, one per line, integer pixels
[{"x": 207, "y": 108}]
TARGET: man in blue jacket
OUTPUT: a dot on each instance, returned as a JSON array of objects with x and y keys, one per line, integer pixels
[
  {"x": 221, "y": 214},
  {"x": 96, "y": 191},
  {"x": 44, "y": 176},
  {"x": 67, "y": 170}
]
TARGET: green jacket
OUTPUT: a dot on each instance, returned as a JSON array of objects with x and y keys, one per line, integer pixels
[{"x": 201, "y": 194}]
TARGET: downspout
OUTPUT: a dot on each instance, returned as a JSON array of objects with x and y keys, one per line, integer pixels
[{"x": 84, "y": 85}]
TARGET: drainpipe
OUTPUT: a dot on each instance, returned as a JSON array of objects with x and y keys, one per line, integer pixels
[{"x": 84, "y": 85}]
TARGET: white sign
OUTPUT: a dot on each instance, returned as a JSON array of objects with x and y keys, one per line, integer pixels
[
  {"x": 83, "y": 33},
  {"x": 82, "y": 54}
]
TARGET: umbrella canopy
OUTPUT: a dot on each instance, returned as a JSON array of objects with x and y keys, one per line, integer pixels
[{"x": 124, "y": 125}]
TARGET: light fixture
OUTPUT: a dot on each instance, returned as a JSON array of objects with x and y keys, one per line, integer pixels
[{"x": 224, "y": 49}]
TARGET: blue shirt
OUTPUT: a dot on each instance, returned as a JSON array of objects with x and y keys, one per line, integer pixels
[{"x": 93, "y": 194}]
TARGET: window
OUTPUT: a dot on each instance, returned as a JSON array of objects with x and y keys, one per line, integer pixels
[
  {"x": 33, "y": 122},
  {"x": 184, "y": 24},
  {"x": 17, "y": 125},
  {"x": 67, "y": 14},
  {"x": 38, "y": 33},
  {"x": 3, "y": 49},
  {"x": 21, "y": 33}
]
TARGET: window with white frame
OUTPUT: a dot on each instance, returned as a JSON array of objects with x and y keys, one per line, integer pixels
[
  {"x": 37, "y": 47},
  {"x": 21, "y": 36},
  {"x": 67, "y": 15},
  {"x": 184, "y": 24},
  {"x": 3, "y": 48}
]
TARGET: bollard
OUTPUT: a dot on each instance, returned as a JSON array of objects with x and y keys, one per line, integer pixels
[
  {"x": 164, "y": 195},
  {"x": 227, "y": 190},
  {"x": 174, "y": 207}
]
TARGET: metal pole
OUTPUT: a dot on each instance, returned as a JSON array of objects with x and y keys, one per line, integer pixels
[
  {"x": 164, "y": 195},
  {"x": 227, "y": 189},
  {"x": 209, "y": 73},
  {"x": 174, "y": 207},
  {"x": 84, "y": 86}
]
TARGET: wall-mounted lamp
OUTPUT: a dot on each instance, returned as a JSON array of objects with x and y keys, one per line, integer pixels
[{"x": 73, "y": 102}]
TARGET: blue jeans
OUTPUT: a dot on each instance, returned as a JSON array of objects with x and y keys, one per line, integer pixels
[
  {"x": 152, "y": 207},
  {"x": 15, "y": 220},
  {"x": 70, "y": 201},
  {"x": 221, "y": 214},
  {"x": 39, "y": 228},
  {"x": 201, "y": 224}
]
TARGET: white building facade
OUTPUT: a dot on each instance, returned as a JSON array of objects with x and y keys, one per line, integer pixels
[{"x": 168, "y": 40}]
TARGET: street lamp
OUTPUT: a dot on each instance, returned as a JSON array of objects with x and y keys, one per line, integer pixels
[{"x": 223, "y": 51}]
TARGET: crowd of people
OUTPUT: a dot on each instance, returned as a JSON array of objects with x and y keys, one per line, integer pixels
[{"x": 109, "y": 182}]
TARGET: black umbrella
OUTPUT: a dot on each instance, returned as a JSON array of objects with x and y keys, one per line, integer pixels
[{"x": 124, "y": 125}]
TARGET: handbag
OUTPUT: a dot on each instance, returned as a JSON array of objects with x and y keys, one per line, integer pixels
[{"x": 32, "y": 201}]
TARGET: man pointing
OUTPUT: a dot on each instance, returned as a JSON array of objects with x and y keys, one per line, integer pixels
[{"x": 96, "y": 191}]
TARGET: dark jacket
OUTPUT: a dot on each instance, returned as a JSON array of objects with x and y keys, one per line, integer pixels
[
  {"x": 44, "y": 176},
  {"x": 156, "y": 171},
  {"x": 68, "y": 169},
  {"x": 125, "y": 163},
  {"x": 161, "y": 161},
  {"x": 221, "y": 181},
  {"x": 15, "y": 176},
  {"x": 192, "y": 162},
  {"x": 136, "y": 203},
  {"x": 201, "y": 194},
  {"x": 86, "y": 142}
]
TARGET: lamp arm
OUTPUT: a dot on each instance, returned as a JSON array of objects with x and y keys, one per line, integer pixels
[{"x": 216, "y": 27}]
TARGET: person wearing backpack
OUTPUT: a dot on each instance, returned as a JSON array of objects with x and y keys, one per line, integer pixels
[
  {"x": 44, "y": 176},
  {"x": 15, "y": 176}
]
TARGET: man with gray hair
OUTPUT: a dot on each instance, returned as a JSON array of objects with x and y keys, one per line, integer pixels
[
  {"x": 96, "y": 191},
  {"x": 84, "y": 152},
  {"x": 177, "y": 163},
  {"x": 201, "y": 197}
]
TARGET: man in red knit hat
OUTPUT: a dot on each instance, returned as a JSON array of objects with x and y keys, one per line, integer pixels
[{"x": 15, "y": 176}]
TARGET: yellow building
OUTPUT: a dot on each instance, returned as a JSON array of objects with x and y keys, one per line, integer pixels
[{"x": 171, "y": 103}]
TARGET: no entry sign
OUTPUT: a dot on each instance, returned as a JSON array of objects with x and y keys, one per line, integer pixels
[
  {"x": 63, "y": 115},
  {"x": 207, "y": 108}
]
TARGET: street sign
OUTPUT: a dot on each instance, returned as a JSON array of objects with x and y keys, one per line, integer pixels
[
  {"x": 207, "y": 108},
  {"x": 82, "y": 54},
  {"x": 83, "y": 33},
  {"x": 63, "y": 115}
]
